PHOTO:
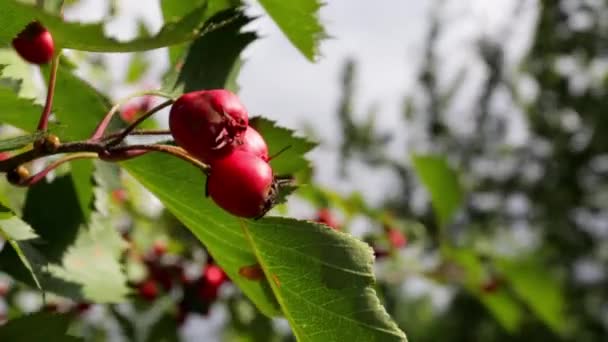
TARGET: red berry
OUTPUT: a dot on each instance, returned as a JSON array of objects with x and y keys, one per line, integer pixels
[
  {"x": 148, "y": 290},
  {"x": 82, "y": 307},
  {"x": 119, "y": 195},
  {"x": 5, "y": 287},
  {"x": 203, "y": 122},
  {"x": 242, "y": 184},
  {"x": 490, "y": 286},
  {"x": 396, "y": 238},
  {"x": 254, "y": 143},
  {"x": 130, "y": 113},
  {"x": 4, "y": 155},
  {"x": 325, "y": 216},
  {"x": 35, "y": 44},
  {"x": 214, "y": 275},
  {"x": 159, "y": 248}
]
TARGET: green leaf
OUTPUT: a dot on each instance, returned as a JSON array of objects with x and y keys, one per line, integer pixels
[
  {"x": 340, "y": 275},
  {"x": 14, "y": 230},
  {"x": 323, "y": 280},
  {"x": 175, "y": 10},
  {"x": 81, "y": 172},
  {"x": 298, "y": 19},
  {"x": 442, "y": 183},
  {"x": 538, "y": 288},
  {"x": 213, "y": 56},
  {"x": 19, "y": 73},
  {"x": 90, "y": 37},
  {"x": 291, "y": 160},
  {"x": 19, "y": 142},
  {"x": 18, "y": 112},
  {"x": 76, "y": 104},
  {"x": 72, "y": 260},
  {"x": 181, "y": 188},
  {"x": 138, "y": 66},
  {"x": 40, "y": 326},
  {"x": 93, "y": 261},
  {"x": 507, "y": 311}
]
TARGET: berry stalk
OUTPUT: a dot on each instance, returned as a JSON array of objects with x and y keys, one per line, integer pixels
[{"x": 50, "y": 93}]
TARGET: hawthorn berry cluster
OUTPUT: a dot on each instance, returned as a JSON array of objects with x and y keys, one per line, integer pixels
[
  {"x": 198, "y": 292},
  {"x": 213, "y": 126}
]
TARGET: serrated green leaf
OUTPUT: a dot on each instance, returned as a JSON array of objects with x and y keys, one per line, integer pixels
[
  {"x": 90, "y": 37},
  {"x": 13, "y": 227},
  {"x": 93, "y": 262},
  {"x": 442, "y": 183},
  {"x": 298, "y": 19},
  {"x": 175, "y": 10},
  {"x": 15, "y": 231},
  {"x": 181, "y": 188},
  {"x": 62, "y": 256},
  {"x": 538, "y": 288},
  {"x": 40, "y": 326},
  {"x": 17, "y": 74},
  {"x": 213, "y": 57},
  {"x": 19, "y": 142},
  {"x": 291, "y": 160},
  {"x": 18, "y": 112},
  {"x": 323, "y": 280}
]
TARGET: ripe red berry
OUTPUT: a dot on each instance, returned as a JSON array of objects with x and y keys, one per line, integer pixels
[
  {"x": 396, "y": 238},
  {"x": 242, "y": 184},
  {"x": 203, "y": 122},
  {"x": 4, "y": 155},
  {"x": 491, "y": 285},
  {"x": 325, "y": 216},
  {"x": 35, "y": 44},
  {"x": 254, "y": 143},
  {"x": 130, "y": 113},
  {"x": 148, "y": 290},
  {"x": 159, "y": 248},
  {"x": 214, "y": 275}
]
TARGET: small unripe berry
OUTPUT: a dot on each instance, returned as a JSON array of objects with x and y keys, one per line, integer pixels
[
  {"x": 35, "y": 44},
  {"x": 203, "y": 122},
  {"x": 242, "y": 184},
  {"x": 48, "y": 144},
  {"x": 18, "y": 175}
]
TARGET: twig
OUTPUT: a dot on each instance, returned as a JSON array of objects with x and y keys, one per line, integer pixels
[
  {"x": 121, "y": 136},
  {"x": 103, "y": 124},
  {"x": 46, "y": 112},
  {"x": 40, "y": 175}
]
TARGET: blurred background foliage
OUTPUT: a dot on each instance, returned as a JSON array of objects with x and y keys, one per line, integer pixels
[{"x": 477, "y": 239}]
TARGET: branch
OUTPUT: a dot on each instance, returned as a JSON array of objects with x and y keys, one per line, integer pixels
[
  {"x": 169, "y": 149},
  {"x": 122, "y": 135},
  {"x": 103, "y": 124}
]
